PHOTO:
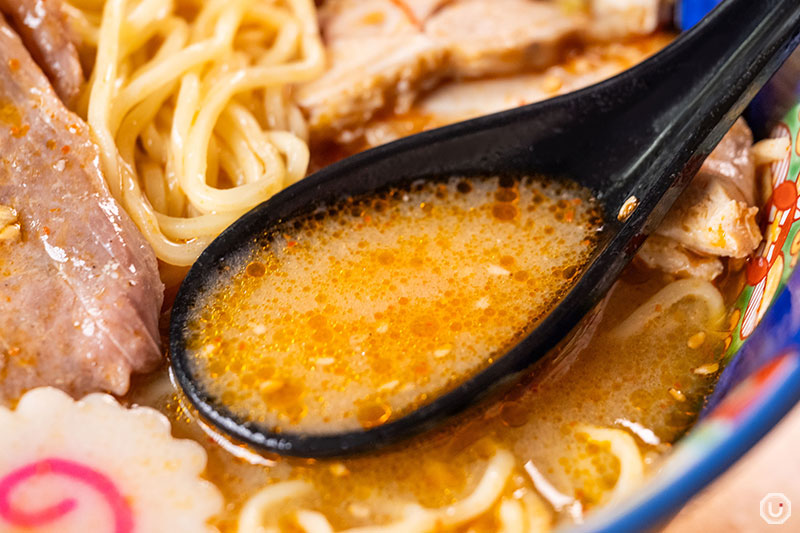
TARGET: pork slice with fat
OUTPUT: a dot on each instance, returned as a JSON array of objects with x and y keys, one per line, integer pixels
[
  {"x": 378, "y": 59},
  {"x": 622, "y": 19},
  {"x": 716, "y": 214},
  {"x": 382, "y": 54},
  {"x": 79, "y": 289},
  {"x": 503, "y": 36},
  {"x": 667, "y": 255},
  {"x": 464, "y": 99}
]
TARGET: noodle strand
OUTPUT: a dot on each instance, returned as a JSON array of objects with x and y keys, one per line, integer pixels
[{"x": 191, "y": 106}]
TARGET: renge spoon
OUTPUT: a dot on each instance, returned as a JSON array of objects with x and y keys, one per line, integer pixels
[{"x": 635, "y": 141}]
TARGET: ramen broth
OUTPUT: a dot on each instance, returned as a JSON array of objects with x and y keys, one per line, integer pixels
[
  {"x": 649, "y": 384},
  {"x": 349, "y": 317}
]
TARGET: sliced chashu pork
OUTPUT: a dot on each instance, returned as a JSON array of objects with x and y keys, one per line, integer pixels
[
  {"x": 461, "y": 100},
  {"x": 79, "y": 289},
  {"x": 382, "y": 54},
  {"x": 502, "y": 36},
  {"x": 668, "y": 255},
  {"x": 377, "y": 59},
  {"x": 621, "y": 19},
  {"x": 716, "y": 215},
  {"x": 43, "y": 28}
]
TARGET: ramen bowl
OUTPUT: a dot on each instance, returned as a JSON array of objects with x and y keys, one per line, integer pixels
[{"x": 761, "y": 380}]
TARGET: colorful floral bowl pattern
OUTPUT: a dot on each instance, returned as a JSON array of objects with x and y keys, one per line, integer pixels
[{"x": 769, "y": 269}]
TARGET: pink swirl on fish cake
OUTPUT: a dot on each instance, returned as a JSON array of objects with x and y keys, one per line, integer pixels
[{"x": 123, "y": 516}]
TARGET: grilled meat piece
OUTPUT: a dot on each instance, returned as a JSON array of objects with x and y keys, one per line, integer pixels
[
  {"x": 383, "y": 53},
  {"x": 716, "y": 215},
  {"x": 80, "y": 293}
]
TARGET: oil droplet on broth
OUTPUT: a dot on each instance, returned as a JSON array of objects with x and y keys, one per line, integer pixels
[
  {"x": 371, "y": 414},
  {"x": 377, "y": 305},
  {"x": 256, "y": 269}
]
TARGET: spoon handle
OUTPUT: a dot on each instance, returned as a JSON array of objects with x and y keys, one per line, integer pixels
[{"x": 701, "y": 86}]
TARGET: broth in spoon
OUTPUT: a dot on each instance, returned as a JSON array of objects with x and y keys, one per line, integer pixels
[{"x": 364, "y": 310}]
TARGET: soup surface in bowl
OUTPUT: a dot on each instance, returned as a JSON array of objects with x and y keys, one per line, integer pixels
[{"x": 581, "y": 431}]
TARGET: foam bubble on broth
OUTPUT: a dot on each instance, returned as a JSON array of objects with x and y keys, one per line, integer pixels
[{"x": 355, "y": 315}]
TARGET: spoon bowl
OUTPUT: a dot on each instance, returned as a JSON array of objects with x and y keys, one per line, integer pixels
[{"x": 635, "y": 141}]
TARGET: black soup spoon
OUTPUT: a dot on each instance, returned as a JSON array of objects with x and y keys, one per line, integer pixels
[{"x": 635, "y": 141}]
